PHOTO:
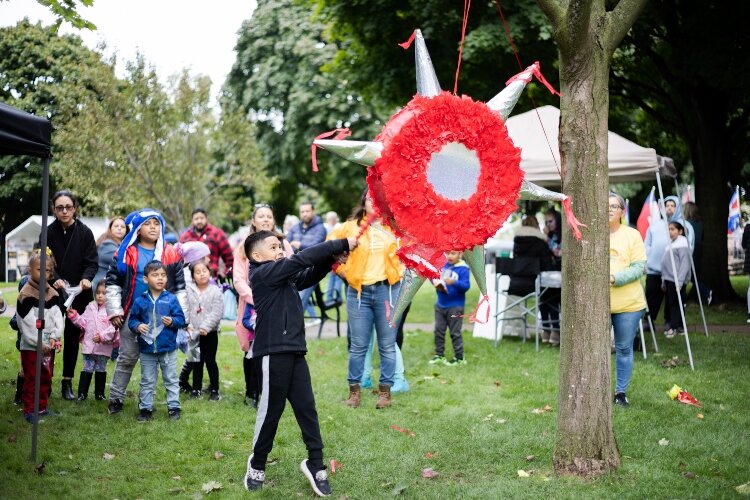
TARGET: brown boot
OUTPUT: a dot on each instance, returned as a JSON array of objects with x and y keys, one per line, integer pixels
[
  {"x": 384, "y": 396},
  {"x": 354, "y": 396},
  {"x": 554, "y": 339}
]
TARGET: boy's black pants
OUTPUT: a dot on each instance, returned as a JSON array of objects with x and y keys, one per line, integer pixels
[{"x": 286, "y": 376}]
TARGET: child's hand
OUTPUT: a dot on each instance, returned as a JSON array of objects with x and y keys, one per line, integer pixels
[
  {"x": 143, "y": 328},
  {"x": 46, "y": 349},
  {"x": 449, "y": 281},
  {"x": 202, "y": 332},
  {"x": 117, "y": 321},
  {"x": 72, "y": 313},
  {"x": 97, "y": 338},
  {"x": 663, "y": 287},
  {"x": 166, "y": 321},
  {"x": 353, "y": 243}
]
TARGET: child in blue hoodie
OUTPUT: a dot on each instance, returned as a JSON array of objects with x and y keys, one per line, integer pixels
[
  {"x": 449, "y": 308},
  {"x": 155, "y": 317}
]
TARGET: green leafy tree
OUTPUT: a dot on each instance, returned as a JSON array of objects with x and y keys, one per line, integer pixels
[
  {"x": 280, "y": 79},
  {"x": 683, "y": 74},
  {"x": 67, "y": 10}
]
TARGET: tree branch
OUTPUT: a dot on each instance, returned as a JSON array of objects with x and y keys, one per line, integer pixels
[
  {"x": 553, "y": 11},
  {"x": 620, "y": 20}
]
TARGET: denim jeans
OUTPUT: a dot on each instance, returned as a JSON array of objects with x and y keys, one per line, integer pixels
[
  {"x": 304, "y": 296},
  {"x": 625, "y": 326},
  {"x": 364, "y": 312},
  {"x": 126, "y": 359},
  {"x": 335, "y": 287},
  {"x": 150, "y": 364}
]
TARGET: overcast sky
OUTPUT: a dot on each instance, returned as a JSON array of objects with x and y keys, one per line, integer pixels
[{"x": 171, "y": 34}]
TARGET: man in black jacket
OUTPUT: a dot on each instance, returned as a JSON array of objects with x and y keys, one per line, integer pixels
[{"x": 281, "y": 347}]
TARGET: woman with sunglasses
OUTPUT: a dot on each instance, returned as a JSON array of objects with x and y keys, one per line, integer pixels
[
  {"x": 74, "y": 248},
  {"x": 262, "y": 220}
]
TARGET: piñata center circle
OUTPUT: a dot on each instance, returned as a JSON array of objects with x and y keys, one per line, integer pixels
[{"x": 454, "y": 171}]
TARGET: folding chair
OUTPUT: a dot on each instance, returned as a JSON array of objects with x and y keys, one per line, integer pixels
[
  {"x": 523, "y": 273},
  {"x": 324, "y": 306}
]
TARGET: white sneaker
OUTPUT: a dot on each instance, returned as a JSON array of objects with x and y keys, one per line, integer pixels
[
  {"x": 312, "y": 322},
  {"x": 254, "y": 479}
]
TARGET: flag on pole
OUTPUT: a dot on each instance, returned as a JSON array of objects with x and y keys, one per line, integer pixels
[
  {"x": 627, "y": 212},
  {"x": 649, "y": 210},
  {"x": 733, "y": 223}
]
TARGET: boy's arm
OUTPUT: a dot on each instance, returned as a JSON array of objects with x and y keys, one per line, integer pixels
[
  {"x": 463, "y": 283},
  {"x": 247, "y": 318},
  {"x": 178, "y": 316},
  {"x": 277, "y": 273},
  {"x": 321, "y": 262}
]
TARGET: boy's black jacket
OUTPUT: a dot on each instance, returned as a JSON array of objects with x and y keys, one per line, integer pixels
[{"x": 280, "y": 325}]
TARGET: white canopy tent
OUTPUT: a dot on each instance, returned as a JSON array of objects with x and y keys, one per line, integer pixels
[
  {"x": 628, "y": 161},
  {"x": 21, "y": 240}
]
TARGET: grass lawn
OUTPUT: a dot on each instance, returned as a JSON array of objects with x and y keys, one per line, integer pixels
[{"x": 473, "y": 425}]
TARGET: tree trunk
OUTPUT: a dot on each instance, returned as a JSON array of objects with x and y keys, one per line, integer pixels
[
  {"x": 710, "y": 150},
  {"x": 585, "y": 442}
]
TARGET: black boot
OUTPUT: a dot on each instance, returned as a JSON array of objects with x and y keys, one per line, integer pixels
[
  {"x": 100, "y": 382},
  {"x": 67, "y": 389},
  {"x": 18, "y": 398},
  {"x": 185, "y": 376},
  {"x": 84, "y": 382}
]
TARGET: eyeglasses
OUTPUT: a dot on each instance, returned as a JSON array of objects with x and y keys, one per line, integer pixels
[
  {"x": 615, "y": 207},
  {"x": 65, "y": 208}
]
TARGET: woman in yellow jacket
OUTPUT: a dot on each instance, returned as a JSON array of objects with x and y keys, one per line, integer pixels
[
  {"x": 627, "y": 261},
  {"x": 373, "y": 274}
]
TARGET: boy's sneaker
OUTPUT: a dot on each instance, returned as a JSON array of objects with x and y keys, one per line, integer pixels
[
  {"x": 437, "y": 360},
  {"x": 214, "y": 396},
  {"x": 254, "y": 479},
  {"x": 679, "y": 331},
  {"x": 196, "y": 394},
  {"x": 456, "y": 362},
  {"x": 669, "y": 334},
  {"x": 185, "y": 388},
  {"x": 144, "y": 415},
  {"x": 174, "y": 413},
  {"x": 114, "y": 406},
  {"x": 621, "y": 400},
  {"x": 318, "y": 481}
]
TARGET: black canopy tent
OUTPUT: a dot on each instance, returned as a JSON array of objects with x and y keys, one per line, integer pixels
[{"x": 23, "y": 134}]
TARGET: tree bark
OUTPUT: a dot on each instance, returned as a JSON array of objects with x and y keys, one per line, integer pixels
[{"x": 585, "y": 443}]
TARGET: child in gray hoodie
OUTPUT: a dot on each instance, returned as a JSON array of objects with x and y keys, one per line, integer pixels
[{"x": 673, "y": 284}]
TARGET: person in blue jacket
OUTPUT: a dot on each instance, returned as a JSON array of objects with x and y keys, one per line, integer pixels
[
  {"x": 155, "y": 317},
  {"x": 449, "y": 309}
]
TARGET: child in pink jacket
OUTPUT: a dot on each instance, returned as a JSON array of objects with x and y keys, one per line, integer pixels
[{"x": 98, "y": 337}]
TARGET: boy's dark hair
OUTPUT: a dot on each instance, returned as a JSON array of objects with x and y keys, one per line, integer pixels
[
  {"x": 197, "y": 263},
  {"x": 199, "y": 210},
  {"x": 252, "y": 241},
  {"x": 36, "y": 257},
  {"x": 152, "y": 266},
  {"x": 679, "y": 226}
]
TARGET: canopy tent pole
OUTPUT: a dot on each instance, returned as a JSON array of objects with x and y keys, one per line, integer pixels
[
  {"x": 692, "y": 261},
  {"x": 40, "y": 315},
  {"x": 663, "y": 213}
]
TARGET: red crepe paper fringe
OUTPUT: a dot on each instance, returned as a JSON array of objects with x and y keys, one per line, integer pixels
[
  {"x": 398, "y": 181},
  {"x": 408, "y": 43},
  {"x": 341, "y": 133},
  {"x": 571, "y": 218},
  {"x": 537, "y": 72}
]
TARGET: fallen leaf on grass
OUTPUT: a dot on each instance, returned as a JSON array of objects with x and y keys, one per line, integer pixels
[
  {"x": 176, "y": 478},
  {"x": 663, "y": 442},
  {"x": 688, "y": 475},
  {"x": 700, "y": 416},
  {"x": 218, "y": 455},
  {"x": 230, "y": 436},
  {"x": 544, "y": 409},
  {"x": 108, "y": 456},
  {"x": 211, "y": 486},
  {"x": 335, "y": 465},
  {"x": 39, "y": 468},
  {"x": 498, "y": 383},
  {"x": 403, "y": 431},
  {"x": 70, "y": 456},
  {"x": 530, "y": 458},
  {"x": 398, "y": 489},
  {"x": 743, "y": 489},
  {"x": 671, "y": 362},
  {"x": 428, "y": 455},
  {"x": 428, "y": 473},
  {"x": 682, "y": 465},
  {"x": 488, "y": 417},
  {"x": 501, "y": 421},
  {"x": 545, "y": 433},
  {"x": 63, "y": 473},
  {"x": 523, "y": 473}
]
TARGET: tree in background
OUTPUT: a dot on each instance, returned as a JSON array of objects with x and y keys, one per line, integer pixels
[
  {"x": 281, "y": 80},
  {"x": 683, "y": 74}
]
